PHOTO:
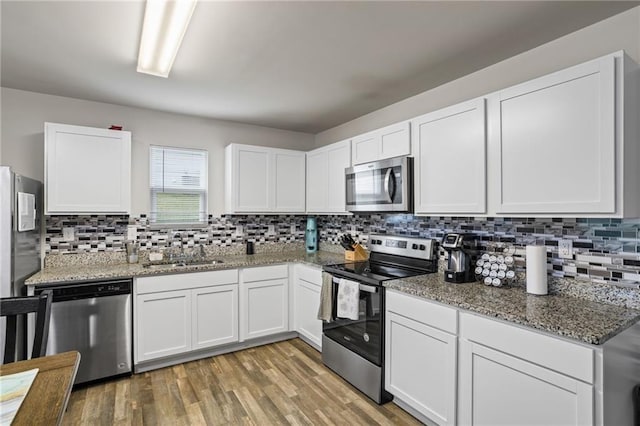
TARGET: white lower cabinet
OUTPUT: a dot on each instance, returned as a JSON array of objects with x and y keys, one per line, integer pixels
[
  {"x": 264, "y": 301},
  {"x": 163, "y": 324},
  {"x": 307, "y": 285},
  {"x": 511, "y": 376},
  {"x": 499, "y": 389},
  {"x": 214, "y": 313},
  {"x": 176, "y": 314},
  {"x": 420, "y": 354}
]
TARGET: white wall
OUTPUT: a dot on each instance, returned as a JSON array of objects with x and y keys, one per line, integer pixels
[
  {"x": 24, "y": 114},
  {"x": 620, "y": 32}
]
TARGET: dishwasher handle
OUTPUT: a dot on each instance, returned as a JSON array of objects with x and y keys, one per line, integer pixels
[{"x": 87, "y": 290}]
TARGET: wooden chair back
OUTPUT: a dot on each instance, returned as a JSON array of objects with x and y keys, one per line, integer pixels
[{"x": 12, "y": 307}]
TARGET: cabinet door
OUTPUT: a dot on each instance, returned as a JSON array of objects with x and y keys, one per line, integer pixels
[
  {"x": 421, "y": 367},
  {"x": 326, "y": 178},
  {"x": 289, "y": 181},
  {"x": 317, "y": 181},
  {"x": 264, "y": 308},
  {"x": 251, "y": 173},
  {"x": 498, "y": 389},
  {"x": 556, "y": 142},
  {"x": 163, "y": 324},
  {"x": 451, "y": 143},
  {"x": 87, "y": 170},
  {"x": 339, "y": 159},
  {"x": 307, "y": 302},
  {"x": 214, "y": 316},
  {"x": 395, "y": 140},
  {"x": 366, "y": 148}
]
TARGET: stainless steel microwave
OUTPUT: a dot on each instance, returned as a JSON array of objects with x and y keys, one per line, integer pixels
[{"x": 380, "y": 186}]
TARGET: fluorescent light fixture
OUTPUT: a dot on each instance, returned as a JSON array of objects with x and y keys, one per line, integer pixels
[{"x": 165, "y": 22}]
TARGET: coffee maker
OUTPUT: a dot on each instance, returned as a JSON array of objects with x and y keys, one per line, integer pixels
[{"x": 462, "y": 253}]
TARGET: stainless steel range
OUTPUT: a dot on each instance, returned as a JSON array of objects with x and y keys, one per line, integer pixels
[{"x": 354, "y": 348}]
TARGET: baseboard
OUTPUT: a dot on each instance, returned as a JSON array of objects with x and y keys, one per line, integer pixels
[{"x": 206, "y": 353}]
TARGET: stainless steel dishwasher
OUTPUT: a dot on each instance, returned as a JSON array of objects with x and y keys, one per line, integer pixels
[{"x": 93, "y": 318}]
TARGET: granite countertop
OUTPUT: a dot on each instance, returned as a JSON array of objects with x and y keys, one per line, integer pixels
[
  {"x": 573, "y": 317},
  {"x": 73, "y": 273},
  {"x": 579, "y": 319}
]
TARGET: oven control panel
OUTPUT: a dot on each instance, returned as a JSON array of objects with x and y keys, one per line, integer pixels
[{"x": 421, "y": 248}]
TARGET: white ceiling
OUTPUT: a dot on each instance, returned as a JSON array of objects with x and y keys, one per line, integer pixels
[{"x": 295, "y": 65}]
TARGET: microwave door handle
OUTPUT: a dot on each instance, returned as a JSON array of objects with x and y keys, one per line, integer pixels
[
  {"x": 389, "y": 177},
  {"x": 387, "y": 180}
]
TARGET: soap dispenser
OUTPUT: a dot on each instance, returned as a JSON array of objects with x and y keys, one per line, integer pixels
[{"x": 311, "y": 235}]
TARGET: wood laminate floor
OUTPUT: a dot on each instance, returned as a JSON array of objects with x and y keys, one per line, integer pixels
[{"x": 280, "y": 383}]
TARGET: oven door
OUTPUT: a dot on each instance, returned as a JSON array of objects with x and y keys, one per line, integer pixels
[
  {"x": 364, "y": 335},
  {"x": 379, "y": 186}
]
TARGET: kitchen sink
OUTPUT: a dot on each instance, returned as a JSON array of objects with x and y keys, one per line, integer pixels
[{"x": 180, "y": 264}]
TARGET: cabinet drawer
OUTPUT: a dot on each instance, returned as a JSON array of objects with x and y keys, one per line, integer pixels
[
  {"x": 309, "y": 274},
  {"x": 431, "y": 314},
  {"x": 185, "y": 281},
  {"x": 564, "y": 357},
  {"x": 265, "y": 273}
]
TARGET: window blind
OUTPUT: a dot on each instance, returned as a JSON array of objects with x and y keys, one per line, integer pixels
[{"x": 178, "y": 183}]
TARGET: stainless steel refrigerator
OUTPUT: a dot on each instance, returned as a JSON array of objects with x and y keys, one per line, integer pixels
[{"x": 20, "y": 228}]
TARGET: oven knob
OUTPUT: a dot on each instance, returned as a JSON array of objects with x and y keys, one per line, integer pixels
[
  {"x": 415, "y": 247},
  {"x": 366, "y": 337},
  {"x": 422, "y": 247}
]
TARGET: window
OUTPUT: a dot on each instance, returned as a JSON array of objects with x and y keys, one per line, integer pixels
[{"x": 178, "y": 185}]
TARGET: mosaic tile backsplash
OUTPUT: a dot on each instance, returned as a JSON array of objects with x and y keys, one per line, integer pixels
[{"x": 605, "y": 250}]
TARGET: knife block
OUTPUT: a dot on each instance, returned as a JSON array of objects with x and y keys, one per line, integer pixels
[{"x": 357, "y": 255}]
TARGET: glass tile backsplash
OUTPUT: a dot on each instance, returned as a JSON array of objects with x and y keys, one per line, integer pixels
[{"x": 605, "y": 250}]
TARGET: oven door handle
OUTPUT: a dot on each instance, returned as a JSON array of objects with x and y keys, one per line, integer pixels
[
  {"x": 363, "y": 287},
  {"x": 368, "y": 288}
]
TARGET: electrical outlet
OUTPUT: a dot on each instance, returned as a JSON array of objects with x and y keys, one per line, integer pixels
[
  {"x": 132, "y": 232},
  {"x": 272, "y": 230},
  {"x": 353, "y": 230},
  {"x": 293, "y": 228},
  {"x": 239, "y": 231},
  {"x": 565, "y": 249},
  {"x": 68, "y": 234}
]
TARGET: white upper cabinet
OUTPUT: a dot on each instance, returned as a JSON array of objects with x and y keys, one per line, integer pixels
[
  {"x": 289, "y": 181},
  {"x": 387, "y": 142},
  {"x": 450, "y": 144},
  {"x": 248, "y": 187},
  {"x": 264, "y": 180},
  {"x": 326, "y": 177},
  {"x": 566, "y": 143},
  {"x": 87, "y": 170}
]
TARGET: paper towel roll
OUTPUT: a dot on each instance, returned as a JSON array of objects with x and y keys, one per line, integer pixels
[{"x": 536, "y": 269}]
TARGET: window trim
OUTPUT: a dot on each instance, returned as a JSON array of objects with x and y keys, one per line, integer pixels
[{"x": 205, "y": 192}]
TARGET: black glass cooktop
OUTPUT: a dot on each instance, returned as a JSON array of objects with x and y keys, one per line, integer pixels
[{"x": 371, "y": 272}]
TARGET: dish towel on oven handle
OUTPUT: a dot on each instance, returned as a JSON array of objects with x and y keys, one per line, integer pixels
[
  {"x": 326, "y": 302},
  {"x": 348, "y": 299}
]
